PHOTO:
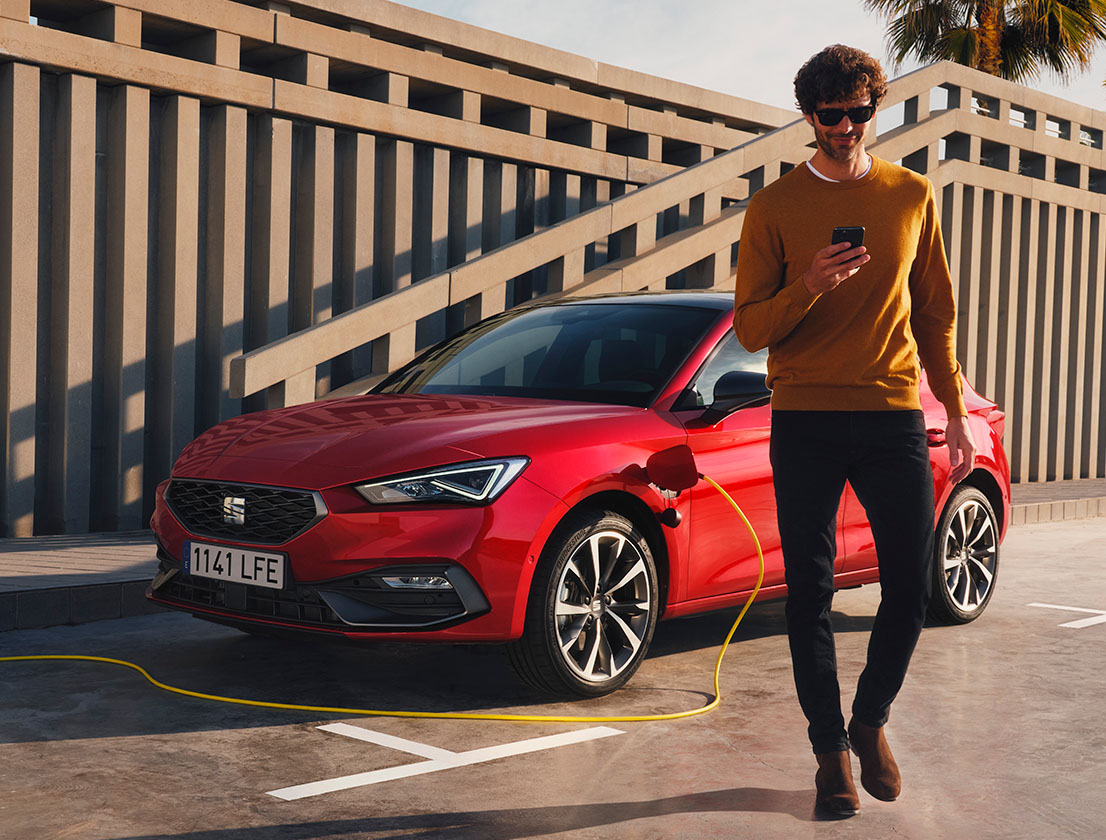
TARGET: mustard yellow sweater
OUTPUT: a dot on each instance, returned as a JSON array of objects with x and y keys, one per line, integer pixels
[{"x": 854, "y": 348}]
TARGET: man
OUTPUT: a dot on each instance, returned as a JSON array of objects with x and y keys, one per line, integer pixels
[{"x": 845, "y": 327}]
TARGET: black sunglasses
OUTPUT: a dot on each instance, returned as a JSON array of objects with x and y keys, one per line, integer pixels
[{"x": 832, "y": 116}]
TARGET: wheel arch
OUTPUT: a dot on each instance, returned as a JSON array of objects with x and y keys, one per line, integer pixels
[{"x": 986, "y": 483}]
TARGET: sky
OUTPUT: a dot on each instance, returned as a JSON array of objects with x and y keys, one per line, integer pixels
[{"x": 746, "y": 49}]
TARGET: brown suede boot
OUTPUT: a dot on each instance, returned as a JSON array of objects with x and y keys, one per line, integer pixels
[
  {"x": 834, "y": 783},
  {"x": 878, "y": 771}
]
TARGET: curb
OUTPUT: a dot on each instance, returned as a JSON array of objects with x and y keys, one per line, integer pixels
[
  {"x": 34, "y": 609},
  {"x": 1033, "y": 514}
]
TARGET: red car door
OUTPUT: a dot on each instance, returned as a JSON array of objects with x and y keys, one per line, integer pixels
[{"x": 722, "y": 556}]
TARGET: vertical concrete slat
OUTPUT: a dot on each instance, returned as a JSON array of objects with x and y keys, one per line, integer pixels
[
  {"x": 439, "y": 211},
  {"x": 1028, "y": 406},
  {"x": 970, "y": 290},
  {"x": 127, "y": 247},
  {"x": 994, "y": 246},
  {"x": 508, "y": 203},
  {"x": 1044, "y": 232},
  {"x": 270, "y": 249},
  {"x": 356, "y": 183},
  {"x": 601, "y": 253},
  {"x": 70, "y": 412},
  {"x": 1096, "y": 425},
  {"x": 315, "y": 251},
  {"x": 177, "y": 285},
  {"x": 1081, "y": 316},
  {"x": 225, "y": 271},
  {"x": 954, "y": 235},
  {"x": 1012, "y": 369},
  {"x": 19, "y": 304},
  {"x": 1046, "y": 279},
  {"x": 466, "y": 207},
  {"x": 312, "y": 279},
  {"x": 1062, "y": 324},
  {"x": 466, "y": 222},
  {"x": 395, "y": 175}
]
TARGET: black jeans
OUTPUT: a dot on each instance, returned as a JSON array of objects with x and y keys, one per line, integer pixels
[{"x": 884, "y": 456}]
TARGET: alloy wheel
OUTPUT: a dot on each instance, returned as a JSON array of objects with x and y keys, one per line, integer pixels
[
  {"x": 970, "y": 555},
  {"x": 603, "y": 606}
]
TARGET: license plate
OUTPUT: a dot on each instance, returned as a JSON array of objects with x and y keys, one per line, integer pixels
[{"x": 239, "y": 565}]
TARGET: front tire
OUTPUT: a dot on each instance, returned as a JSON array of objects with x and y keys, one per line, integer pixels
[
  {"x": 965, "y": 563},
  {"x": 592, "y": 608}
]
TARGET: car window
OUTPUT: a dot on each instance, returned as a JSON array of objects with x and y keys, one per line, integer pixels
[
  {"x": 590, "y": 351},
  {"x": 729, "y": 355}
]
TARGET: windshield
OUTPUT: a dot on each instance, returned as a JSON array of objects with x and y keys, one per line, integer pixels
[{"x": 605, "y": 352}]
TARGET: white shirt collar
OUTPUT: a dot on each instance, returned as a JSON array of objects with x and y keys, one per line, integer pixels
[{"x": 867, "y": 169}]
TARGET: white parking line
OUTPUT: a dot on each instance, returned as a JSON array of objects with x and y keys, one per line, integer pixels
[
  {"x": 1099, "y": 615},
  {"x": 444, "y": 760},
  {"x": 389, "y": 741}
]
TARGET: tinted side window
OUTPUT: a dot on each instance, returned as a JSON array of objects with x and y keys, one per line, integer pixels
[{"x": 729, "y": 355}]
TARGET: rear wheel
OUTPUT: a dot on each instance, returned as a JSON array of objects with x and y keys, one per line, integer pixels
[
  {"x": 592, "y": 608},
  {"x": 966, "y": 558}
]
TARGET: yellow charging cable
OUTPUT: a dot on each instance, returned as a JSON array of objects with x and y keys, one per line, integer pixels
[{"x": 452, "y": 715}]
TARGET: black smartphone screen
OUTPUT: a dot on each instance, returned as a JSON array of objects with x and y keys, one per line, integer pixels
[{"x": 853, "y": 235}]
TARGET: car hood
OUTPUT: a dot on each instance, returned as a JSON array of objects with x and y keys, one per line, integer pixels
[{"x": 336, "y": 442}]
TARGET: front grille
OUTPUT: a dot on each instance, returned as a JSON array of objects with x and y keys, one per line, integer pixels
[
  {"x": 269, "y": 515},
  {"x": 300, "y": 605}
]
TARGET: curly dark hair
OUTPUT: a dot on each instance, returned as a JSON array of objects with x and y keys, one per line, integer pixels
[{"x": 838, "y": 74}]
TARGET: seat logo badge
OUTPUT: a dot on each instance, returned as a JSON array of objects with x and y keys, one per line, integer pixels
[{"x": 234, "y": 510}]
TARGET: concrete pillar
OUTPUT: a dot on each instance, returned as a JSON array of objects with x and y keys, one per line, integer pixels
[
  {"x": 69, "y": 415},
  {"x": 115, "y": 23},
  {"x": 1021, "y": 460},
  {"x": 1046, "y": 280},
  {"x": 119, "y": 500},
  {"x": 174, "y": 354},
  {"x": 1064, "y": 321},
  {"x": 225, "y": 269},
  {"x": 19, "y": 304},
  {"x": 466, "y": 206},
  {"x": 564, "y": 195},
  {"x": 566, "y": 272},
  {"x": 396, "y": 180},
  {"x": 223, "y": 49},
  {"x": 1095, "y": 457},
  {"x": 431, "y": 211},
  {"x": 1081, "y": 312},
  {"x": 313, "y": 272},
  {"x": 638, "y": 239},
  {"x": 271, "y": 233},
  {"x": 500, "y": 204},
  {"x": 356, "y": 161},
  {"x": 391, "y": 88}
]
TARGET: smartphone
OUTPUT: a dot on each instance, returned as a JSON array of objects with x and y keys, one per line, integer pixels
[{"x": 853, "y": 235}]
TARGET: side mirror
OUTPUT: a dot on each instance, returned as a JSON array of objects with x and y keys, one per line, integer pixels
[
  {"x": 739, "y": 386},
  {"x": 733, "y": 390},
  {"x": 673, "y": 468}
]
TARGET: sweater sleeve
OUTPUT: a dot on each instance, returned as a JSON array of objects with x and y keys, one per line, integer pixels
[
  {"x": 933, "y": 313},
  {"x": 767, "y": 305}
]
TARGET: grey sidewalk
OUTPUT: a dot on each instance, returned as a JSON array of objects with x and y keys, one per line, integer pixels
[{"x": 46, "y": 581}]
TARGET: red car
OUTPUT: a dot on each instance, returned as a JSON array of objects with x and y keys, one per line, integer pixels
[{"x": 494, "y": 489}]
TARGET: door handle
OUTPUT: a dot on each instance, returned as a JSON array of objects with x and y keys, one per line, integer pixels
[{"x": 935, "y": 437}]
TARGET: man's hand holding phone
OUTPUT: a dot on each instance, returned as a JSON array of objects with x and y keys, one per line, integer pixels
[{"x": 836, "y": 262}]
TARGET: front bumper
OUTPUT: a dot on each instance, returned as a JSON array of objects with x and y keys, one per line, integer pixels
[
  {"x": 333, "y": 582},
  {"x": 355, "y": 602}
]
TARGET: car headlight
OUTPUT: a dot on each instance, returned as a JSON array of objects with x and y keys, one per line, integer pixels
[{"x": 474, "y": 483}]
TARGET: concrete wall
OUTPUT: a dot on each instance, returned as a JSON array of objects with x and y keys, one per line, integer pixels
[{"x": 210, "y": 206}]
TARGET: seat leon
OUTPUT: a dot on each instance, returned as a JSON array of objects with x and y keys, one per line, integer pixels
[{"x": 495, "y": 489}]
